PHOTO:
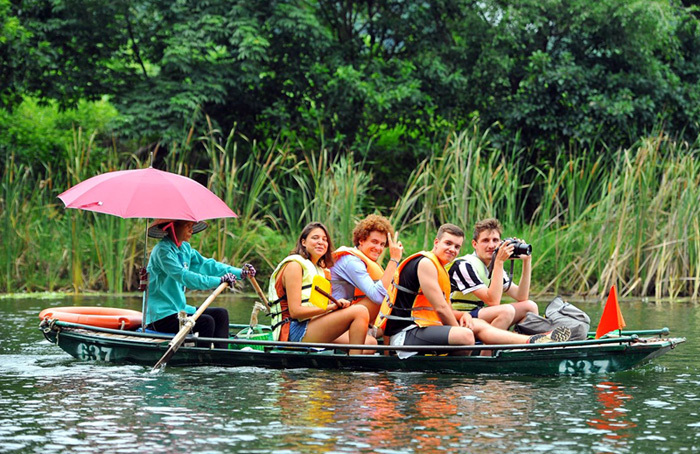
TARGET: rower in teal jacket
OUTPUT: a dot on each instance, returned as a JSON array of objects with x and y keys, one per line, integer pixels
[{"x": 175, "y": 266}]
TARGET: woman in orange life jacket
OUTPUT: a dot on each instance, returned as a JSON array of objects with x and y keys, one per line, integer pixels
[
  {"x": 297, "y": 320},
  {"x": 356, "y": 275}
]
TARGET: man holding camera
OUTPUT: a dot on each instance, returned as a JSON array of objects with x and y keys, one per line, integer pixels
[{"x": 478, "y": 280}]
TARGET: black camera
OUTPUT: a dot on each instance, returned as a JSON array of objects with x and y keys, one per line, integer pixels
[{"x": 519, "y": 248}]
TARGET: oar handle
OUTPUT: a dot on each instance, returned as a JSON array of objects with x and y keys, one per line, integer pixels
[
  {"x": 260, "y": 293},
  {"x": 327, "y": 295},
  {"x": 208, "y": 301}
]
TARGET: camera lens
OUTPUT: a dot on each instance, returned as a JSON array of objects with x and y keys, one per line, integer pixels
[{"x": 521, "y": 249}]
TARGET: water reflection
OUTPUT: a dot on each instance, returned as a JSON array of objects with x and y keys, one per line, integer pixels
[
  {"x": 51, "y": 402},
  {"x": 612, "y": 415},
  {"x": 384, "y": 411}
]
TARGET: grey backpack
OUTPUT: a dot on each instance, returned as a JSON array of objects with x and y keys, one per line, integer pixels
[{"x": 557, "y": 313}]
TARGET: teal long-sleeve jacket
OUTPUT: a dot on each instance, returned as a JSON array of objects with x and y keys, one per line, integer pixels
[{"x": 171, "y": 269}]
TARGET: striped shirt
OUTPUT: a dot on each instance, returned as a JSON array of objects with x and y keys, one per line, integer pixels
[{"x": 465, "y": 279}]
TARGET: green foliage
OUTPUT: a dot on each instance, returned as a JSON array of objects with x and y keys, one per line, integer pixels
[
  {"x": 585, "y": 70},
  {"x": 634, "y": 224},
  {"x": 387, "y": 80},
  {"x": 41, "y": 134},
  {"x": 330, "y": 110}
]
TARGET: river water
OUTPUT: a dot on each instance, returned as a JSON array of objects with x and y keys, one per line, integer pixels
[{"x": 50, "y": 402}]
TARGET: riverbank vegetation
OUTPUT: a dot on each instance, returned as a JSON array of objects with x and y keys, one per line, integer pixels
[
  {"x": 633, "y": 221},
  {"x": 574, "y": 122}
]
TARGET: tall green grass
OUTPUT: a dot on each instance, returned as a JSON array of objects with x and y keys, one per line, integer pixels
[
  {"x": 465, "y": 181},
  {"x": 242, "y": 176},
  {"x": 16, "y": 179},
  {"x": 632, "y": 220},
  {"x": 631, "y": 224}
]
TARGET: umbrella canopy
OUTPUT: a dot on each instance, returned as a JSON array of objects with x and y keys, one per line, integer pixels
[{"x": 146, "y": 193}]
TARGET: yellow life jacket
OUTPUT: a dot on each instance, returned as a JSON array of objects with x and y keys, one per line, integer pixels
[
  {"x": 423, "y": 313},
  {"x": 279, "y": 308},
  {"x": 375, "y": 271}
]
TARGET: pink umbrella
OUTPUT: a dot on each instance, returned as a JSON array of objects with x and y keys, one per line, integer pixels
[{"x": 146, "y": 193}]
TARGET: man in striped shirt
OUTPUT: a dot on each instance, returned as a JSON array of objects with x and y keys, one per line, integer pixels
[{"x": 479, "y": 281}]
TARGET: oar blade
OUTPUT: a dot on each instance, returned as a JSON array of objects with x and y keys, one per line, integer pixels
[
  {"x": 172, "y": 347},
  {"x": 164, "y": 360}
]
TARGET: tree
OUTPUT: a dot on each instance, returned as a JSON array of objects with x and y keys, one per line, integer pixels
[
  {"x": 389, "y": 79},
  {"x": 578, "y": 71}
]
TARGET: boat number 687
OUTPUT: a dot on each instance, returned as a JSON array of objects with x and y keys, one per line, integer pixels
[{"x": 94, "y": 352}]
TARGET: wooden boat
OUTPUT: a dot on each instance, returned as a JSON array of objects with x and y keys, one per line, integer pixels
[{"x": 606, "y": 355}]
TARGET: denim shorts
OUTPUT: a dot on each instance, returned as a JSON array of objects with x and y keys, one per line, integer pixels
[{"x": 297, "y": 330}]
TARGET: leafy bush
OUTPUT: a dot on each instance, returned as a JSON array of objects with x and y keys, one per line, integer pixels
[{"x": 40, "y": 134}]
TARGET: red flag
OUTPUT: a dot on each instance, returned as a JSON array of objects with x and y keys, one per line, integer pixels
[{"x": 612, "y": 316}]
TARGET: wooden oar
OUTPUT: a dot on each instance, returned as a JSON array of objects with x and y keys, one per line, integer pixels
[
  {"x": 260, "y": 293},
  {"x": 189, "y": 323},
  {"x": 327, "y": 295}
]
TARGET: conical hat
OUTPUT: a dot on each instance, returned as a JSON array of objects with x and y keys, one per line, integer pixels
[{"x": 155, "y": 230}]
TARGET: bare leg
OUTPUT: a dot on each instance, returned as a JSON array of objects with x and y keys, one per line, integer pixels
[
  {"x": 369, "y": 340},
  {"x": 461, "y": 336},
  {"x": 329, "y": 327},
  {"x": 522, "y": 308},
  {"x": 372, "y": 308},
  {"x": 501, "y": 316},
  {"x": 492, "y": 335}
]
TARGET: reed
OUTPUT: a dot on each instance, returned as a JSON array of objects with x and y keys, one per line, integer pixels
[
  {"x": 631, "y": 219},
  {"x": 632, "y": 226},
  {"x": 332, "y": 190},
  {"x": 243, "y": 181},
  {"x": 77, "y": 166},
  {"x": 464, "y": 182},
  {"x": 403, "y": 215},
  {"x": 14, "y": 182},
  {"x": 343, "y": 194}
]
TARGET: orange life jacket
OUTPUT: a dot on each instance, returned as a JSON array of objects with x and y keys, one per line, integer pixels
[
  {"x": 422, "y": 312},
  {"x": 375, "y": 271}
]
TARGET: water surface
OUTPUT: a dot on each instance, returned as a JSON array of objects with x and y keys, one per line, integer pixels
[{"x": 50, "y": 402}]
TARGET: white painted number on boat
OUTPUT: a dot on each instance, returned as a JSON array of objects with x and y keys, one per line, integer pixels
[
  {"x": 94, "y": 352},
  {"x": 584, "y": 367}
]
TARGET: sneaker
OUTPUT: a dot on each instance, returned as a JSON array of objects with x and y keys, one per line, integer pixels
[{"x": 558, "y": 334}]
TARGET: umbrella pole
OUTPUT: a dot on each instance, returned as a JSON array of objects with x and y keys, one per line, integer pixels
[{"x": 144, "y": 303}]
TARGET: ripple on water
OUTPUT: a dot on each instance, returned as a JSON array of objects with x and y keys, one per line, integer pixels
[{"x": 51, "y": 403}]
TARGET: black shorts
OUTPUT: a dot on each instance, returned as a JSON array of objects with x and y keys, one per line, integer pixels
[{"x": 430, "y": 335}]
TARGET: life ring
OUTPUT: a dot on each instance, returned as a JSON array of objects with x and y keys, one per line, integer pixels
[{"x": 103, "y": 317}]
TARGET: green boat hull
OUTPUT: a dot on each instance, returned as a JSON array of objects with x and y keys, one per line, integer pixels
[{"x": 584, "y": 357}]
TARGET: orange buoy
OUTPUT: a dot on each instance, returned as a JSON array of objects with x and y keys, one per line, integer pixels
[{"x": 103, "y": 317}]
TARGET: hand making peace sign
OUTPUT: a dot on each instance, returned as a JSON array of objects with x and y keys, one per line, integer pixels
[{"x": 395, "y": 248}]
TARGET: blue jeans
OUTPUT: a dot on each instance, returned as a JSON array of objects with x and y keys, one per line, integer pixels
[{"x": 297, "y": 330}]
